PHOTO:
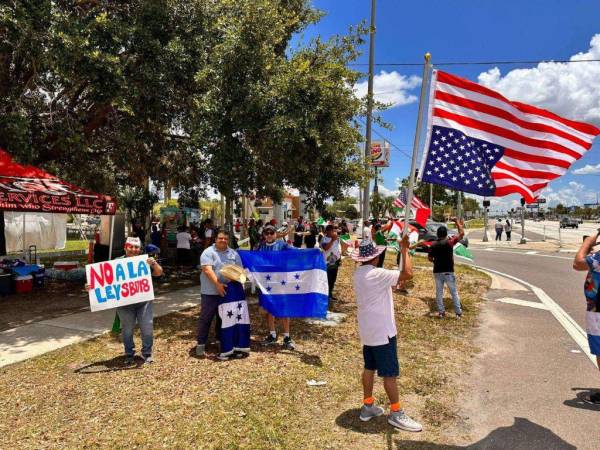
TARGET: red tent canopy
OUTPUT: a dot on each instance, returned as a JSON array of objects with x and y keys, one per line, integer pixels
[{"x": 29, "y": 189}]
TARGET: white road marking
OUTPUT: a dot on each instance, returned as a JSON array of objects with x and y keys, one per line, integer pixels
[
  {"x": 531, "y": 253},
  {"x": 575, "y": 331},
  {"x": 492, "y": 249},
  {"x": 516, "y": 301}
]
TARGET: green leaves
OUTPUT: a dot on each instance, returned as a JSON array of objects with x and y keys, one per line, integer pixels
[{"x": 186, "y": 92}]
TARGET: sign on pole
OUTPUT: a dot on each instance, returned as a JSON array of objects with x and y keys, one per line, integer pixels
[
  {"x": 380, "y": 154},
  {"x": 119, "y": 282}
]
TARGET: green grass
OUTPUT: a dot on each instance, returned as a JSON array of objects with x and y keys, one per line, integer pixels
[
  {"x": 473, "y": 223},
  {"x": 258, "y": 402}
]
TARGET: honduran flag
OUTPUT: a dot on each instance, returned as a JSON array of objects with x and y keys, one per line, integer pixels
[
  {"x": 291, "y": 283},
  {"x": 235, "y": 328}
]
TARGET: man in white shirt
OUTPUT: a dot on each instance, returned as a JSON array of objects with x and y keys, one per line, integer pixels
[
  {"x": 183, "y": 247},
  {"x": 377, "y": 329},
  {"x": 333, "y": 255}
]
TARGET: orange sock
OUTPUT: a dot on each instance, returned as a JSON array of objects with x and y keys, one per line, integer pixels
[
  {"x": 369, "y": 401},
  {"x": 395, "y": 407}
]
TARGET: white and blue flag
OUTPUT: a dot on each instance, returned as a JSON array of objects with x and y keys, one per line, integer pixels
[
  {"x": 292, "y": 283},
  {"x": 235, "y": 328}
]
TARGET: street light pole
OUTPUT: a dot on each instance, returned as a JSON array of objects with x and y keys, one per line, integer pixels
[
  {"x": 365, "y": 206},
  {"x": 523, "y": 240}
]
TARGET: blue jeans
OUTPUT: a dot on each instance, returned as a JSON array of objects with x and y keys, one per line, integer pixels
[
  {"x": 142, "y": 313},
  {"x": 450, "y": 280}
]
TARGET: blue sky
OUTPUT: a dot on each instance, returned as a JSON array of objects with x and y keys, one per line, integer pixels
[{"x": 465, "y": 30}]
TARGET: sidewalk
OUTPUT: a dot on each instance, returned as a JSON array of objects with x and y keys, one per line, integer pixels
[{"x": 28, "y": 341}]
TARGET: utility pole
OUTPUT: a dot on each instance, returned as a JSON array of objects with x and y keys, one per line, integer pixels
[
  {"x": 365, "y": 206},
  {"x": 459, "y": 206}
]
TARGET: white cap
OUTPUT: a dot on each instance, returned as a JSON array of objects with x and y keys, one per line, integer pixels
[{"x": 133, "y": 241}]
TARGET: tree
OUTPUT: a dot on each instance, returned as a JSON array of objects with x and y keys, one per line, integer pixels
[
  {"x": 388, "y": 206},
  {"x": 470, "y": 205},
  {"x": 99, "y": 91},
  {"x": 342, "y": 208},
  {"x": 561, "y": 209},
  {"x": 279, "y": 119},
  {"x": 377, "y": 205},
  {"x": 188, "y": 93}
]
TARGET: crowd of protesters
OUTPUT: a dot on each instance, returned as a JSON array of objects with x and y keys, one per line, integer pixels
[{"x": 212, "y": 249}]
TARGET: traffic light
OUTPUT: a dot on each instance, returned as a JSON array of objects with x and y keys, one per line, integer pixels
[
  {"x": 522, "y": 201},
  {"x": 486, "y": 203}
]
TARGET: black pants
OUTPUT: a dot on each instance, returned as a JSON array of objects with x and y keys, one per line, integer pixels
[
  {"x": 508, "y": 235},
  {"x": 332, "y": 272},
  {"x": 381, "y": 259},
  {"x": 498, "y": 235},
  {"x": 209, "y": 308},
  {"x": 183, "y": 256}
]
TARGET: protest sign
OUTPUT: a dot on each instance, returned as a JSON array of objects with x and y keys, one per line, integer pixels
[{"x": 119, "y": 282}]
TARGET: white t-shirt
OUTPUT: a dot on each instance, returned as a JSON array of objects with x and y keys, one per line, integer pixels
[
  {"x": 183, "y": 239},
  {"x": 208, "y": 233},
  {"x": 373, "y": 288},
  {"x": 334, "y": 253}
]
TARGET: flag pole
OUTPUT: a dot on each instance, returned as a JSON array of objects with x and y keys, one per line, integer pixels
[
  {"x": 413, "y": 165},
  {"x": 365, "y": 205}
]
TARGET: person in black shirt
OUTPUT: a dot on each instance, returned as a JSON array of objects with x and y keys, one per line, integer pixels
[
  {"x": 441, "y": 253},
  {"x": 311, "y": 239},
  {"x": 299, "y": 233}
]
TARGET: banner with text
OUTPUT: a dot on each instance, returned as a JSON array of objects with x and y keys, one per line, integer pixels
[{"x": 119, "y": 282}]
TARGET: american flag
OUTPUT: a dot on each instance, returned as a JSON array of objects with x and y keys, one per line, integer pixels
[
  {"x": 482, "y": 143},
  {"x": 400, "y": 202}
]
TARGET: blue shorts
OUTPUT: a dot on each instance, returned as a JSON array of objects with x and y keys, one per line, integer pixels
[{"x": 383, "y": 358}]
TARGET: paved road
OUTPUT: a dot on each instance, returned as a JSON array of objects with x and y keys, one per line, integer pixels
[
  {"x": 553, "y": 273},
  {"x": 477, "y": 235},
  {"x": 528, "y": 382}
]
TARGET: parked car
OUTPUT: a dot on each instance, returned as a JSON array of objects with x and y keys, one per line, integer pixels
[
  {"x": 568, "y": 222},
  {"x": 428, "y": 233}
]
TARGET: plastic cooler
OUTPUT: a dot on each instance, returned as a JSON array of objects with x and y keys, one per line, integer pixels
[
  {"x": 6, "y": 287},
  {"x": 23, "y": 284},
  {"x": 66, "y": 265}
]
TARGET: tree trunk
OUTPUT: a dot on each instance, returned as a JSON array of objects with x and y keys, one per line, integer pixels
[{"x": 244, "y": 228}]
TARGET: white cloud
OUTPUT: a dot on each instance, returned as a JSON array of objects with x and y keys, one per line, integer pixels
[
  {"x": 571, "y": 195},
  {"x": 571, "y": 90},
  {"x": 587, "y": 170},
  {"x": 385, "y": 192},
  {"x": 390, "y": 88}
]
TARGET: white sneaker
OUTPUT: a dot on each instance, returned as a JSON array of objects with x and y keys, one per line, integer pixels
[
  {"x": 401, "y": 420},
  {"x": 368, "y": 412}
]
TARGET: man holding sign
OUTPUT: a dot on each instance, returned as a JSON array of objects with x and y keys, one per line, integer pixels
[{"x": 126, "y": 284}]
